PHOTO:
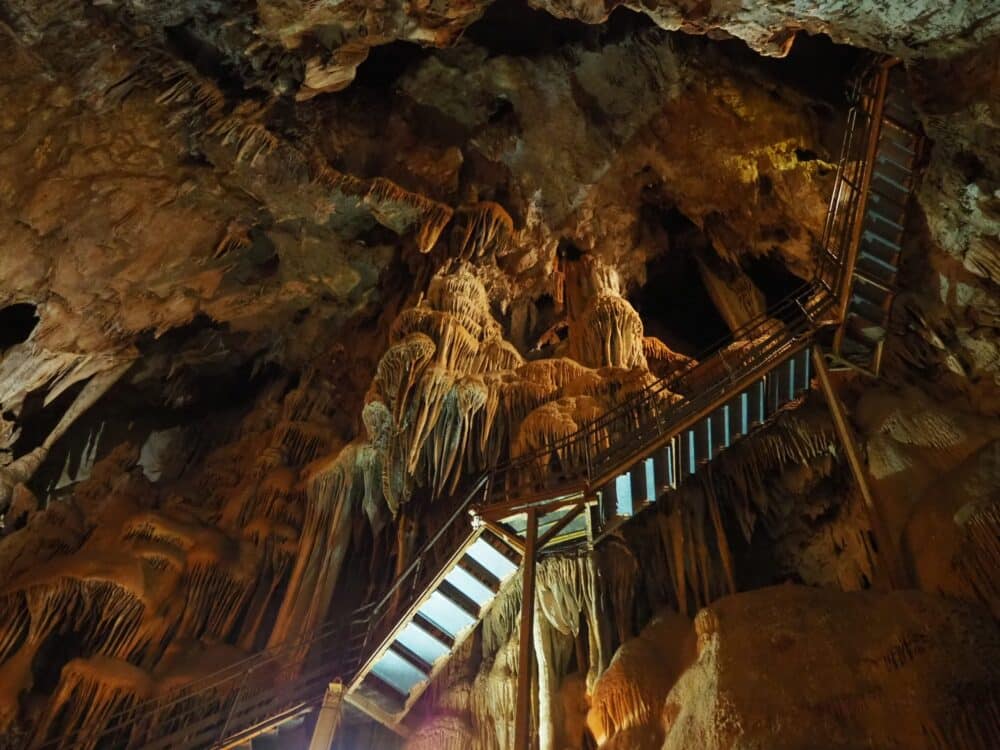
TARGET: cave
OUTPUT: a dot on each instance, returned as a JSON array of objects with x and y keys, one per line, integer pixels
[
  {"x": 676, "y": 307},
  {"x": 499, "y": 374},
  {"x": 17, "y": 321}
]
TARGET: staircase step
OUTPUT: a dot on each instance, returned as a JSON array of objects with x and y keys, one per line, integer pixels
[
  {"x": 865, "y": 309},
  {"x": 864, "y": 331},
  {"x": 901, "y": 143},
  {"x": 888, "y": 156},
  {"x": 901, "y": 109},
  {"x": 470, "y": 586},
  {"x": 879, "y": 256},
  {"x": 886, "y": 164},
  {"x": 446, "y": 614},
  {"x": 444, "y": 638},
  {"x": 875, "y": 270},
  {"x": 855, "y": 350},
  {"x": 398, "y": 673},
  {"x": 890, "y": 205},
  {"x": 422, "y": 642},
  {"x": 873, "y": 293},
  {"x": 481, "y": 574},
  {"x": 889, "y": 224},
  {"x": 885, "y": 181},
  {"x": 456, "y": 596},
  {"x": 415, "y": 660},
  {"x": 494, "y": 560},
  {"x": 874, "y": 238}
]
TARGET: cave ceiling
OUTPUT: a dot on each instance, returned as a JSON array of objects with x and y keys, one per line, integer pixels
[{"x": 214, "y": 188}]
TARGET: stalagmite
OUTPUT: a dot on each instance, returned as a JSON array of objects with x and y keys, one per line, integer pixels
[
  {"x": 608, "y": 334},
  {"x": 628, "y": 698}
]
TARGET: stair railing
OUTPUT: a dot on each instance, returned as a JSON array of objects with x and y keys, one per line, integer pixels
[
  {"x": 291, "y": 676},
  {"x": 648, "y": 414},
  {"x": 873, "y": 106}
]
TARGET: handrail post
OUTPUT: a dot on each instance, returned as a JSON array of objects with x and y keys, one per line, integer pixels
[
  {"x": 232, "y": 708},
  {"x": 887, "y": 549},
  {"x": 522, "y": 716}
]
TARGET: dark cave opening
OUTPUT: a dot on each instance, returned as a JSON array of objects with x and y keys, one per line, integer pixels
[
  {"x": 674, "y": 303},
  {"x": 815, "y": 66},
  {"x": 57, "y": 649},
  {"x": 191, "y": 375},
  {"x": 187, "y": 43},
  {"x": 512, "y": 27},
  {"x": 386, "y": 63},
  {"x": 17, "y": 321},
  {"x": 771, "y": 275}
]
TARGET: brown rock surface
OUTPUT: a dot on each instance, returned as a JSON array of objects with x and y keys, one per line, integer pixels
[
  {"x": 791, "y": 667},
  {"x": 278, "y": 278}
]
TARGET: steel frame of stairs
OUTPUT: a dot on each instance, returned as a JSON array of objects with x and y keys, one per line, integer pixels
[
  {"x": 877, "y": 187},
  {"x": 644, "y": 446}
]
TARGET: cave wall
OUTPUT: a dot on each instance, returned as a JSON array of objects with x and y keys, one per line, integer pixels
[{"x": 354, "y": 253}]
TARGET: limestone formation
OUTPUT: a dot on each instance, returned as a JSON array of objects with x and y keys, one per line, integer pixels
[{"x": 282, "y": 282}]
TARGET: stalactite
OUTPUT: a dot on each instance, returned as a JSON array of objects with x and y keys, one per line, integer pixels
[
  {"x": 334, "y": 492},
  {"x": 445, "y": 732},
  {"x": 14, "y": 622},
  {"x": 90, "y": 692},
  {"x": 496, "y": 355},
  {"x": 488, "y": 232},
  {"x": 400, "y": 368},
  {"x": 399, "y": 209},
  {"x": 23, "y": 469},
  {"x": 551, "y": 422},
  {"x": 979, "y": 557},
  {"x": 494, "y": 697},
  {"x": 927, "y": 427},
  {"x": 214, "y": 599},
  {"x": 501, "y": 621}
]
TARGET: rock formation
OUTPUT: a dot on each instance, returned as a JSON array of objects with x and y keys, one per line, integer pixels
[{"x": 280, "y": 280}]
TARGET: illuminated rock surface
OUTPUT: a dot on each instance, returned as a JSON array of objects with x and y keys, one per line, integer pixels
[{"x": 278, "y": 278}]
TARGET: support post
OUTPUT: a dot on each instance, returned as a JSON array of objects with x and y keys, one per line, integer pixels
[
  {"x": 329, "y": 718},
  {"x": 887, "y": 550},
  {"x": 525, "y": 668}
]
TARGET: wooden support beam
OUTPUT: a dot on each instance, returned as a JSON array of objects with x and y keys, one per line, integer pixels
[
  {"x": 506, "y": 534},
  {"x": 329, "y": 718},
  {"x": 561, "y": 524},
  {"x": 544, "y": 502},
  {"x": 525, "y": 665},
  {"x": 887, "y": 550}
]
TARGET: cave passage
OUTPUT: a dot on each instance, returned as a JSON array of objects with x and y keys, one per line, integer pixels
[
  {"x": 771, "y": 275},
  {"x": 16, "y": 323}
]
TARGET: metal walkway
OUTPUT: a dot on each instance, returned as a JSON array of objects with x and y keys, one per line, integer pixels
[
  {"x": 388, "y": 652},
  {"x": 885, "y": 180}
]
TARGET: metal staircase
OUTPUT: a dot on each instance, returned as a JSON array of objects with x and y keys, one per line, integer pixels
[
  {"x": 433, "y": 626},
  {"x": 388, "y": 651},
  {"x": 885, "y": 184}
]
